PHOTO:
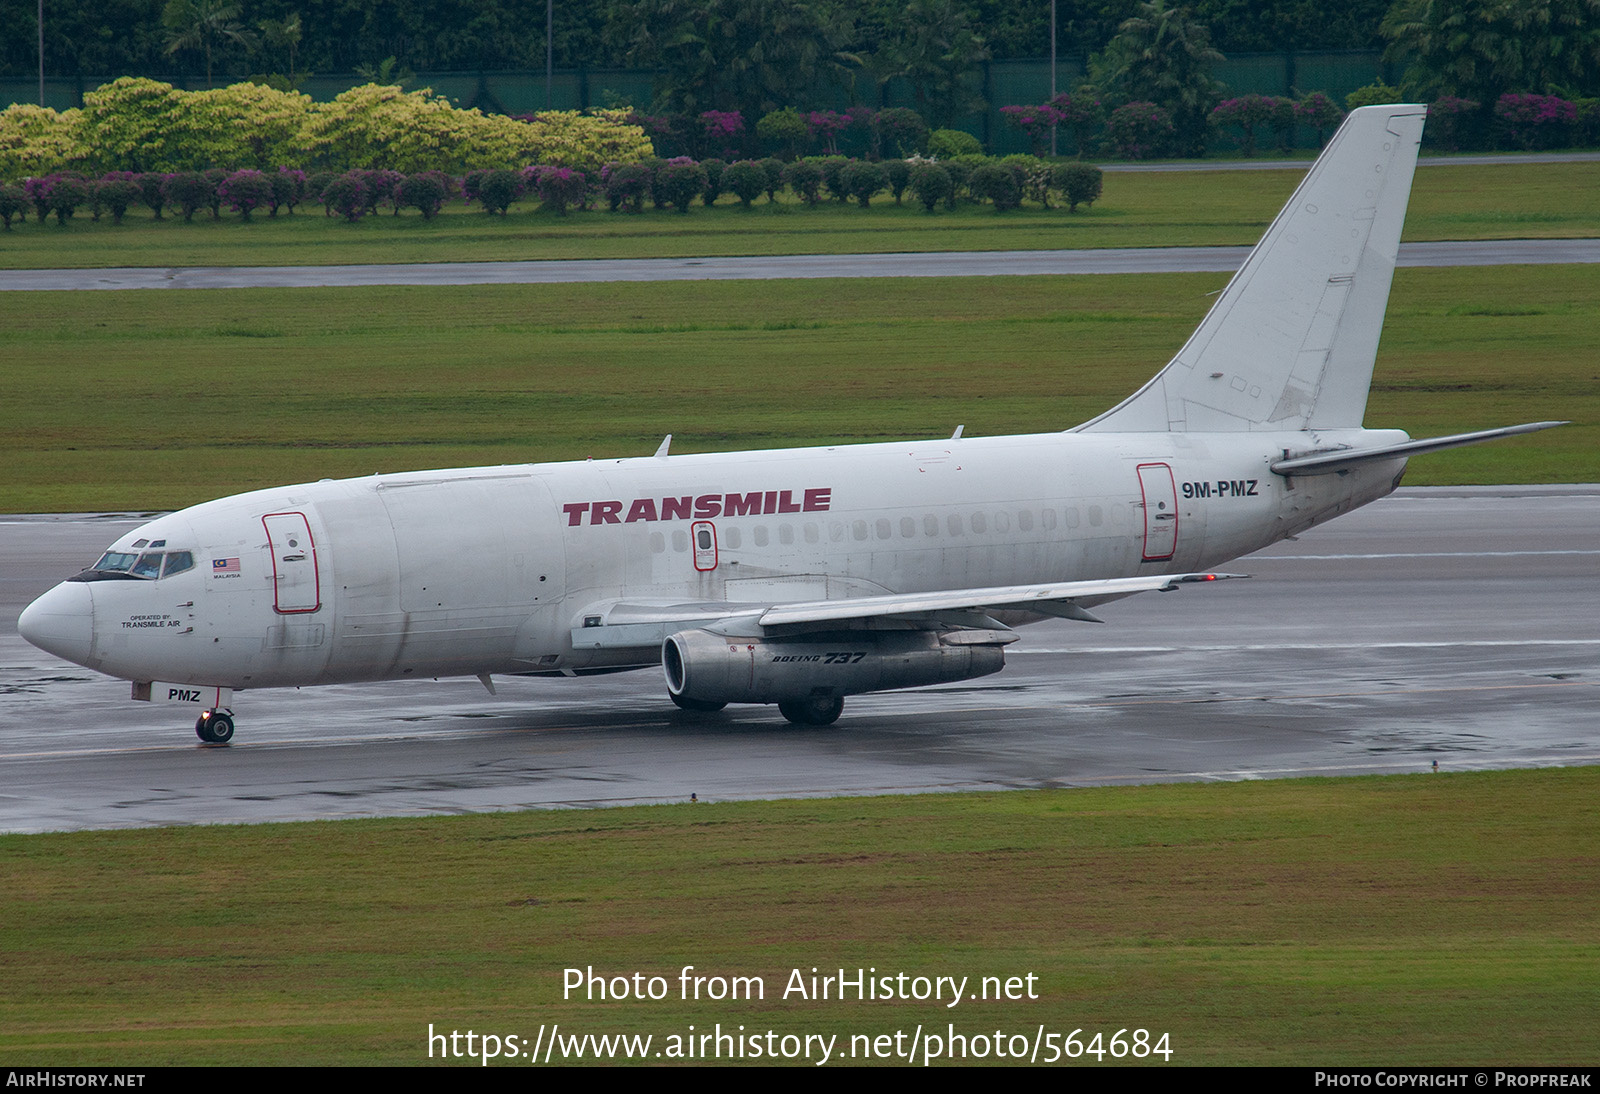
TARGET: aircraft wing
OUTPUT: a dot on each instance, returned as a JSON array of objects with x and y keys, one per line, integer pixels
[{"x": 619, "y": 624}]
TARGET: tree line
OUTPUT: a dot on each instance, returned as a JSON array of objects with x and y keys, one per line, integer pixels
[
  {"x": 752, "y": 58},
  {"x": 867, "y": 37}
]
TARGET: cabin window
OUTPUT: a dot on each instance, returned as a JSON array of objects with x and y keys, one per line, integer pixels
[
  {"x": 703, "y": 539},
  {"x": 858, "y": 528},
  {"x": 1096, "y": 517},
  {"x": 761, "y": 535},
  {"x": 658, "y": 543},
  {"x": 1002, "y": 522},
  {"x": 955, "y": 524},
  {"x": 733, "y": 537},
  {"x": 930, "y": 525},
  {"x": 1025, "y": 520},
  {"x": 680, "y": 540},
  {"x": 813, "y": 533},
  {"x": 979, "y": 525},
  {"x": 1049, "y": 516},
  {"x": 785, "y": 533},
  {"x": 1072, "y": 516},
  {"x": 883, "y": 528},
  {"x": 908, "y": 527}
]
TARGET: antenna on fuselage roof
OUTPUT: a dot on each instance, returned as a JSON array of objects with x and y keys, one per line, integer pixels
[
  {"x": 666, "y": 442},
  {"x": 956, "y": 436}
]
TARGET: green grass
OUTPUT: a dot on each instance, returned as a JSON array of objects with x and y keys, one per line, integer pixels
[
  {"x": 1406, "y": 920},
  {"x": 159, "y": 399},
  {"x": 1138, "y": 210}
]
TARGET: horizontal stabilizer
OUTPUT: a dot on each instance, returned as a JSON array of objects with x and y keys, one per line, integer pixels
[{"x": 1341, "y": 459}]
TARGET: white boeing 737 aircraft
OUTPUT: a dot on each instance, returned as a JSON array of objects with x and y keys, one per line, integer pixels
[{"x": 795, "y": 577}]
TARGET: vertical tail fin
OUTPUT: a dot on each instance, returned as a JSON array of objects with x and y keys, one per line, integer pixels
[{"x": 1291, "y": 342}]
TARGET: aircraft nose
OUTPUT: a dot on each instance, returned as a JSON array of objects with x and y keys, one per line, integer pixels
[{"x": 61, "y": 621}]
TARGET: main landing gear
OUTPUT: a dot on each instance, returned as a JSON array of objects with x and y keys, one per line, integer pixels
[
  {"x": 215, "y": 727},
  {"x": 816, "y": 711}
]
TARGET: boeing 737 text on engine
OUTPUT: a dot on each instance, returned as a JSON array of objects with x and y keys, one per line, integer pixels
[{"x": 795, "y": 577}]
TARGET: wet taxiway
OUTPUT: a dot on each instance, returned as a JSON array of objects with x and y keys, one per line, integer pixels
[
  {"x": 1494, "y": 252},
  {"x": 1452, "y": 625}
]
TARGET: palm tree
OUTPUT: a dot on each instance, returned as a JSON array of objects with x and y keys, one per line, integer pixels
[
  {"x": 204, "y": 25},
  {"x": 1163, "y": 55},
  {"x": 1480, "y": 49},
  {"x": 283, "y": 34},
  {"x": 937, "y": 53},
  {"x": 753, "y": 56}
]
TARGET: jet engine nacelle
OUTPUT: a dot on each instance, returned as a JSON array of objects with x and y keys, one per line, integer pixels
[{"x": 711, "y": 668}]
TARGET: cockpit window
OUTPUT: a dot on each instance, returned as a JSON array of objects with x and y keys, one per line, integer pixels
[
  {"x": 135, "y": 566},
  {"x": 149, "y": 565},
  {"x": 115, "y": 562}
]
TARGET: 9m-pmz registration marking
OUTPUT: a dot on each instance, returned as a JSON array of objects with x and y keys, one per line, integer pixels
[{"x": 1222, "y": 488}]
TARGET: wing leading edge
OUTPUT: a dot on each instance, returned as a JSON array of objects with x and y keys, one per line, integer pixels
[{"x": 624, "y": 624}]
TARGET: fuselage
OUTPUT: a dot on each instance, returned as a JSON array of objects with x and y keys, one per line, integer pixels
[{"x": 490, "y": 570}]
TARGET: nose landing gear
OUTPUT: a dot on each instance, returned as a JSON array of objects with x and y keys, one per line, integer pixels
[{"x": 215, "y": 727}]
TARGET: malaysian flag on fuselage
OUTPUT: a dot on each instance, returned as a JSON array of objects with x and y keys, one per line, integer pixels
[{"x": 224, "y": 565}]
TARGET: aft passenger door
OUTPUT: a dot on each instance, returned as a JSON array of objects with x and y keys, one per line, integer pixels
[{"x": 1160, "y": 492}]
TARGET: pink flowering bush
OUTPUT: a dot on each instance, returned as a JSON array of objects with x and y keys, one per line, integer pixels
[
  {"x": 825, "y": 126},
  {"x": 680, "y": 181},
  {"x": 61, "y": 194},
  {"x": 561, "y": 187},
  {"x": 1249, "y": 113},
  {"x": 723, "y": 130},
  {"x": 245, "y": 192},
  {"x": 1534, "y": 121},
  {"x": 1320, "y": 113},
  {"x": 150, "y": 191},
  {"x": 380, "y": 186},
  {"x": 288, "y": 189},
  {"x": 346, "y": 195},
  {"x": 1140, "y": 130},
  {"x": 1083, "y": 114},
  {"x": 188, "y": 191},
  {"x": 626, "y": 185},
  {"x": 1036, "y": 122},
  {"x": 424, "y": 191}
]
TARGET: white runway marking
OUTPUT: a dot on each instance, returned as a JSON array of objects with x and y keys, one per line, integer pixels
[
  {"x": 1275, "y": 647},
  {"x": 1421, "y": 554}
]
